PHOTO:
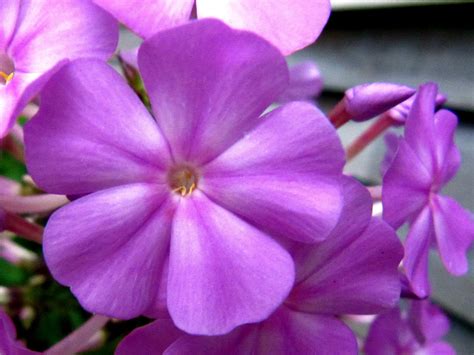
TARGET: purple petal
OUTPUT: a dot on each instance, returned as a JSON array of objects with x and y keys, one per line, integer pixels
[
  {"x": 355, "y": 216},
  {"x": 417, "y": 247},
  {"x": 222, "y": 272},
  {"x": 130, "y": 57},
  {"x": 390, "y": 334},
  {"x": 306, "y": 82},
  {"x": 111, "y": 255},
  {"x": 345, "y": 284},
  {"x": 151, "y": 339},
  {"x": 454, "y": 232},
  {"x": 448, "y": 158},
  {"x": 147, "y": 17},
  {"x": 420, "y": 129},
  {"x": 9, "y": 187},
  {"x": 50, "y": 31},
  {"x": 92, "y": 132},
  {"x": 285, "y": 332},
  {"x": 288, "y": 331},
  {"x": 288, "y": 24},
  {"x": 391, "y": 140},
  {"x": 8, "y": 20},
  {"x": 8, "y": 344},
  {"x": 438, "y": 348},
  {"x": 284, "y": 176},
  {"x": 369, "y": 100},
  {"x": 208, "y": 84},
  {"x": 18, "y": 92},
  {"x": 3, "y": 217},
  {"x": 400, "y": 112},
  {"x": 406, "y": 186},
  {"x": 427, "y": 321}
]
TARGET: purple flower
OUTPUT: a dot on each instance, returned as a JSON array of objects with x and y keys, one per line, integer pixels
[
  {"x": 36, "y": 37},
  {"x": 426, "y": 159},
  {"x": 353, "y": 271},
  {"x": 306, "y": 82},
  {"x": 288, "y": 24},
  {"x": 189, "y": 201},
  {"x": 8, "y": 342},
  {"x": 418, "y": 331}
]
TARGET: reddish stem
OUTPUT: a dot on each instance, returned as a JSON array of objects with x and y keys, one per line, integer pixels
[
  {"x": 23, "y": 228},
  {"x": 375, "y": 130},
  {"x": 339, "y": 115}
]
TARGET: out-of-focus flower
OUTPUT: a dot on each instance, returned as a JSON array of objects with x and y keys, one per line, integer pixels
[
  {"x": 416, "y": 331},
  {"x": 306, "y": 82},
  {"x": 288, "y": 24},
  {"x": 38, "y": 36},
  {"x": 425, "y": 160},
  {"x": 8, "y": 342},
  {"x": 198, "y": 192},
  {"x": 3, "y": 217},
  {"x": 330, "y": 281}
]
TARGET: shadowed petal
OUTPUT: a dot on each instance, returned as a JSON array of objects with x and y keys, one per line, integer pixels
[
  {"x": 222, "y": 271},
  {"x": 288, "y": 24},
  {"x": 405, "y": 188},
  {"x": 147, "y": 17},
  {"x": 293, "y": 192},
  {"x": 438, "y": 348},
  {"x": 151, "y": 339},
  {"x": 285, "y": 332},
  {"x": 391, "y": 140},
  {"x": 427, "y": 321},
  {"x": 361, "y": 279},
  {"x": 355, "y": 216},
  {"x": 417, "y": 247},
  {"x": 448, "y": 158},
  {"x": 454, "y": 231},
  {"x": 92, "y": 132},
  {"x": 306, "y": 82},
  {"x": 208, "y": 85},
  {"x": 50, "y": 31},
  {"x": 111, "y": 255}
]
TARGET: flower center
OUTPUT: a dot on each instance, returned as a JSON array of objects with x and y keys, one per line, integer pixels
[
  {"x": 183, "y": 180},
  {"x": 7, "y": 69}
]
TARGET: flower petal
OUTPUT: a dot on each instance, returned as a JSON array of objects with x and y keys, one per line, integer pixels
[
  {"x": 285, "y": 332},
  {"x": 151, "y": 339},
  {"x": 284, "y": 176},
  {"x": 288, "y": 24},
  {"x": 208, "y": 85},
  {"x": 8, "y": 20},
  {"x": 417, "y": 248},
  {"x": 147, "y": 17},
  {"x": 361, "y": 278},
  {"x": 306, "y": 82},
  {"x": 406, "y": 186},
  {"x": 15, "y": 96},
  {"x": 92, "y": 132},
  {"x": 448, "y": 158},
  {"x": 51, "y": 31},
  {"x": 369, "y": 100},
  {"x": 427, "y": 321},
  {"x": 222, "y": 271},
  {"x": 111, "y": 255},
  {"x": 420, "y": 129},
  {"x": 391, "y": 140},
  {"x": 454, "y": 232}
]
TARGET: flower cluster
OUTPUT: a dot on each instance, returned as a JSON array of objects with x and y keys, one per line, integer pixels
[{"x": 214, "y": 201}]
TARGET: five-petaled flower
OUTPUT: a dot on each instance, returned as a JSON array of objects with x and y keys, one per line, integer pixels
[{"x": 186, "y": 204}]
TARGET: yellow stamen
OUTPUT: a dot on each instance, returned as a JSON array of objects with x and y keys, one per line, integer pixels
[{"x": 7, "y": 77}]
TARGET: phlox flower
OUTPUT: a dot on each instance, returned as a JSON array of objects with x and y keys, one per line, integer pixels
[
  {"x": 37, "y": 36},
  {"x": 8, "y": 342},
  {"x": 418, "y": 330},
  {"x": 185, "y": 203},
  {"x": 419, "y": 165},
  {"x": 288, "y": 24},
  {"x": 353, "y": 271}
]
